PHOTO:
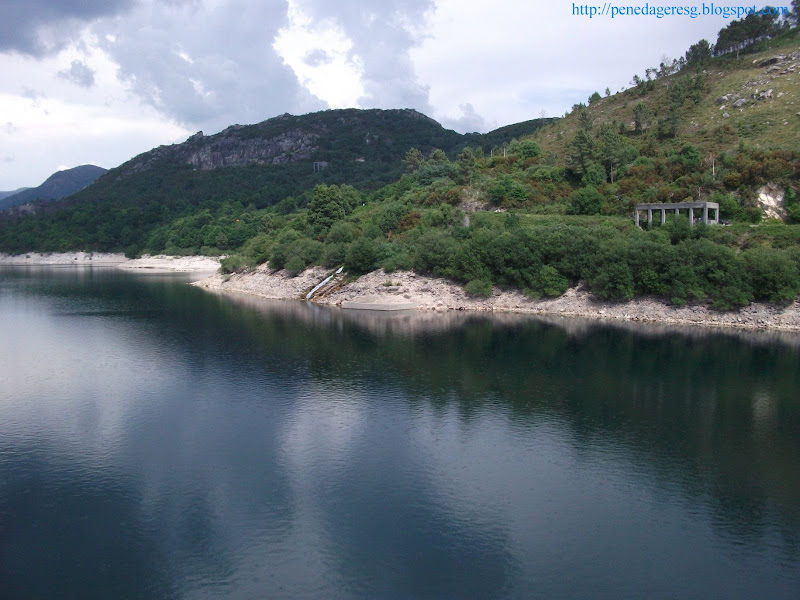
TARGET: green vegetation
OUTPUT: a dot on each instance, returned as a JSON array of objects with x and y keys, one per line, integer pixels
[{"x": 547, "y": 210}]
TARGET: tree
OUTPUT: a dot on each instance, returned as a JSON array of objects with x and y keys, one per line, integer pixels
[
  {"x": 582, "y": 152},
  {"x": 608, "y": 92},
  {"x": 611, "y": 150},
  {"x": 699, "y": 54},
  {"x": 594, "y": 97},
  {"x": 741, "y": 35},
  {"x": 642, "y": 117},
  {"x": 583, "y": 146},
  {"x": 328, "y": 205},
  {"x": 413, "y": 160},
  {"x": 466, "y": 165},
  {"x": 439, "y": 156}
]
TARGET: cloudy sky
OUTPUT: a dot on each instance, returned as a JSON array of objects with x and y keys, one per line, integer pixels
[{"x": 98, "y": 81}]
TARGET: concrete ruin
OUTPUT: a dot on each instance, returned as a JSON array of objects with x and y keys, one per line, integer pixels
[{"x": 677, "y": 207}]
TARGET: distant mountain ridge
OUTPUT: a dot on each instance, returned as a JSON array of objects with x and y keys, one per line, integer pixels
[
  {"x": 12, "y": 192},
  {"x": 59, "y": 185}
]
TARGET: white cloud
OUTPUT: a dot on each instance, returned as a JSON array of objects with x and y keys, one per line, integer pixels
[
  {"x": 510, "y": 60},
  {"x": 322, "y": 58},
  {"x": 68, "y": 125}
]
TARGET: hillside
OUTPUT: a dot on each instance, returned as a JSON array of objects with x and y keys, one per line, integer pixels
[
  {"x": 12, "y": 192},
  {"x": 753, "y": 99},
  {"x": 59, "y": 185},
  {"x": 254, "y": 166}
]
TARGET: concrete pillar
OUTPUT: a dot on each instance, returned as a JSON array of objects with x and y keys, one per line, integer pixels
[
  {"x": 663, "y": 215},
  {"x": 677, "y": 212},
  {"x": 691, "y": 216},
  {"x": 649, "y": 216},
  {"x": 716, "y": 216},
  {"x": 636, "y": 217},
  {"x": 705, "y": 214}
]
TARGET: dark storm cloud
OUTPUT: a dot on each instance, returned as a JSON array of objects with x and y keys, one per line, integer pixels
[
  {"x": 78, "y": 73},
  {"x": 39, "y": 27}
]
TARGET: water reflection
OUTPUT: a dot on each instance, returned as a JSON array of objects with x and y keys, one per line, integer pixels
[{"x": 157, "y": 441}]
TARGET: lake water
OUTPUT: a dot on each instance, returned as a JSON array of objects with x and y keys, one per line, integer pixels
[{"x": 157, "y": 441}]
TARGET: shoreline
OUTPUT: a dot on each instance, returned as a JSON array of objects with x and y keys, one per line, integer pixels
[
  {"x": 155, "y": 264},
  {"x": 436, "y": 294}
]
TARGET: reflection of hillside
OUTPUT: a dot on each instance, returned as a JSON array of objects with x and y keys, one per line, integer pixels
[
  {"x": 712, "y": 412},
  {"x": 413, "y": 323},
  {"x": 473, "y": 428}
]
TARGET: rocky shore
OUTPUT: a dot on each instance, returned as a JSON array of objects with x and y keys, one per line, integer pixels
[
  {"x": 160, "y": 263},
  {"x": 428, "y": 293}
]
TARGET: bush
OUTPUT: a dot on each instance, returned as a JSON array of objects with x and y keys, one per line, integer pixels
[
  {"x": 295, "y": 265},
  {"x": 551, "y": 283},
  {"x": 362, "y": 255},
  {"x": 334, "y": 255},
  {"x": 236, "y": 263},
  {"x": 258, "y": 248},
  {"x": 585, "y": 201},
  {"x": 435, "y": 252},
  {"x": 595, "y": 175},
  {"x": 526, "y": 149},
  {"x": 772, "y": 275},
  {"x": 479, "y": 288},
  {"x": 341, "y": 232},
  {"x": 610, "y": 276}
]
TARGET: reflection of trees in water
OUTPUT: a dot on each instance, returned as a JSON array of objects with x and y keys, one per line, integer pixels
[
  {"x": 711, "y": 411},
  {"x": 710, "y": 414}
]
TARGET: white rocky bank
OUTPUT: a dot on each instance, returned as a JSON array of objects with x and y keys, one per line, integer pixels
[
  {"x": 101, "y": 259},
  {"x": 428, "y": 293}
]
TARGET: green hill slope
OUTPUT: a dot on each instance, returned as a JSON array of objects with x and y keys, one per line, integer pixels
[{"x": 253, "y": 166}]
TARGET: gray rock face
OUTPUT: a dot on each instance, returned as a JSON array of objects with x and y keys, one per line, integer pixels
[{"x": 230, "y": 151}]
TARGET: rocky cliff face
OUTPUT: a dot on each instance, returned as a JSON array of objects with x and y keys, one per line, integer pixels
[{"x": 230, "y": 151}]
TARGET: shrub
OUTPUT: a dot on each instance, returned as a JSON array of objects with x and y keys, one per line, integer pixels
[
  {"x": 772, "y": 275},
  {"x": 435, "y": 252},
  {"x": 610, "y": 275},
  {"x": 551, "y": 283},
  {"x": 362, "y": 255},
  {"x": 585, "y": 201},
  {"x": 235, "y": 263},
  {"x": 334, "y": 255},
  {"x": 595, "y": 175},
  {"x": 258, "y": 248},
  {"x": 479, "y": 288},
  {"x": 526, "y": 149},
  {"x": 295, "y": 265},
  {"x": 341, "y": 232}
]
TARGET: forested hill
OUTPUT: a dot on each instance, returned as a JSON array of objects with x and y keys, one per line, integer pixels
[
  {"x": 57, "y": 186},
  {"x": 264, "y": 163},
  {"x": 256, "y": 166}
]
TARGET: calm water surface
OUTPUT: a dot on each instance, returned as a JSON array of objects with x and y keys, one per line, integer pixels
[{"x": 157, "y": 441}]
